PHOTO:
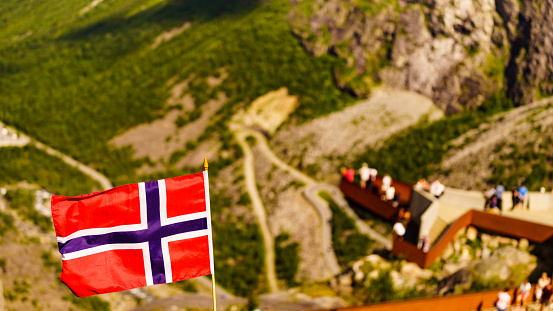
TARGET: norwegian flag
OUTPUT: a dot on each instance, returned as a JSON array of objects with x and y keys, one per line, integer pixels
[{"x": 135, "y": 235}]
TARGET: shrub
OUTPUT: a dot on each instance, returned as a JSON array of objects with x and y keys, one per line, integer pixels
[
  {"x": 379, "y": 289},
  {"x": 186, "y": 286},
  {"x": 23, "y": 202},
  {"x": 34, "y": 166},
  {"x": 348, "y": 243},
  {"x": 417, "y": 152},
  {"x": 91, "y": 303},
  {"x": 287, "y": 259}
]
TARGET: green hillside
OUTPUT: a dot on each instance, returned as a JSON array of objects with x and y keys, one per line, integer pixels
[
  {"x": 73, "y": 76},
  {"x": 74, "y": 80}
]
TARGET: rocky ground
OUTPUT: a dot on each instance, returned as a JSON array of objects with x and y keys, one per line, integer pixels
[
  {"x": 473, "y": 261},
  {"x": 321, "y": 146},
  {"x": 288, "y": 212},
  {"x": 471, "y": 162},
  {"x": 455, "y": 52}
]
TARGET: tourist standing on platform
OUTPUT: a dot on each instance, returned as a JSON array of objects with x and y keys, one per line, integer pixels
[
  {"x": 542, "y": 283},
  {"x": 514, "y": 197},
  {"x": 390, "y": 193},
  {"x": 524, "y": 293},
  {"x": 372, "y": 172},
  {"x": 503, "y": 300},
  {"x": 488, "y": 195},
  {"x": 499, "y": 193},
  {"x": 494, "y": 206},
  {"x": 545, "y": 298},
  {"x": 348, "y": 173},
  {"x": 365, "y": 175},
  {"x": 437, "y": 188},
  {"x": 422, "y": 184},
  {"x": 386, "y": 182},
  {"x": 523, "y": 196}
]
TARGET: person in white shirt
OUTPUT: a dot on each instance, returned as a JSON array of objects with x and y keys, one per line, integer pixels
[
  {"x": 437, "y": 188},
  {"x": 524, "y": 293},
  {"x": 365, "y": 175},
  {"x": 542, "y": 283},
  {"x": 372, "y": 173},
  {"x": 390, "y": 193},
  {"x": 503, "y": 300},
  {"x": 386, "y": 182}
]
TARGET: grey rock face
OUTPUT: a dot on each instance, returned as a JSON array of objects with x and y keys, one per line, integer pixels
[{"x": 455, "y": 51}]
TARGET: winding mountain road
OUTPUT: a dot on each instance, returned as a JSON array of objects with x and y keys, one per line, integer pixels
[
  {"x": 258, "y": 208},
  {"x": 23, "y": 140},
  {"x": 311, "y": 193}
]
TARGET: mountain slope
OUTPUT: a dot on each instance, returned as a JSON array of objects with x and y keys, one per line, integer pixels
[
  {"x": 90, "y": 77},
  {"x": 456, "y": 52}
]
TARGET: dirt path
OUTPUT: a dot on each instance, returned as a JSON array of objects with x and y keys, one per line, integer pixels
[
  {"x": 104, "y": 182},
  {"x": 315, "y": 188},
  {"x": 258, "y": 208},
  {"x": 23, "y": 140},
  {"x": 311, "y": 193}
]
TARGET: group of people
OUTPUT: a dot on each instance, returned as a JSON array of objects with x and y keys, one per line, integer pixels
[
  {"x": 494, "y": 201},
  {"x": 367, "y": 176},
  {"x": 544, "y": 292},
  {"x": 436, "y": 188},
  {"x": 494, "y": 198}
]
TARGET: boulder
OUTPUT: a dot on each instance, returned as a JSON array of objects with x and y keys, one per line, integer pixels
[
  {"x": 451, "y": 268},
  {"x": 492, "y": 267},
  {"x": 465, "y": 254},
  {"x": 512, "y": 256},
  {"x": 472, "y": 233},
  {"x": 411, "y": 270},
  {"x": 523, "y": 244},
  {"x": 448, "y": 251},
  {"x": 486, "y": 253},
  {"x": 449, "y": 284}
]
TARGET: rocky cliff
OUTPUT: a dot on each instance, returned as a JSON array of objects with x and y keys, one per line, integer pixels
[{"x": 458, "y": 52}]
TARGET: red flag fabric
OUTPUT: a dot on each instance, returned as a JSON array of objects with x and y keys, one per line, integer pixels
[{"x": 135, "y": 235}]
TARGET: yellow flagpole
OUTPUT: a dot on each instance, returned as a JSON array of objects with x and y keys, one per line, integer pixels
[{"x": 212, "y": 272}]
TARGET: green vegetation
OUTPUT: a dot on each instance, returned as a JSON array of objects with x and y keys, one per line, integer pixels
[
  {"x": 34, "y": 166},
  {"x": 531, "y": 163},
  {"x": 50, "y": 262},
  {"x": 348, "y": 243},
  {"x": 186, "y": 286},
  {"x": 417, "y": 151},
  {"x": 372, "y": 7},
  {"x": 6, "y": 224},
  {"x": 238, "y": 250},
  {"x": 379, "y": 224},
  {"x": 379, "y": 289},
  {"x": 19, "y": 291},
  {"x": 23, "y": 202},
  {"x": 516, "y": 277},
  {"x": 91, "y": 303},
  {"x": 79, "y": 74},
  {"x": 287, "y": 259}
]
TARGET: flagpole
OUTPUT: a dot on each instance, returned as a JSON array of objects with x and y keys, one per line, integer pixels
[{"x": 212, "y": 272}]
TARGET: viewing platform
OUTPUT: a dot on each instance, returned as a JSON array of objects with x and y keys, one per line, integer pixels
[{"x": 442, "y": 218}]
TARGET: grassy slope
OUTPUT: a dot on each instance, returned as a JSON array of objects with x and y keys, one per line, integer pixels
[
  {"x": 36, "y": 167},
  {"x": 87, "y": 78},
  {"x": 418, "y": 151},
  {"x": 76, "y": 81}
]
